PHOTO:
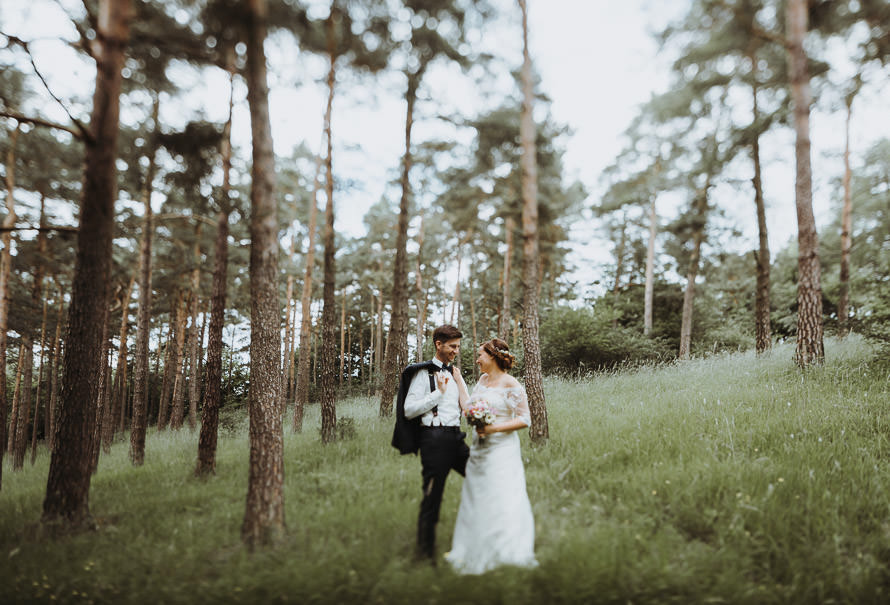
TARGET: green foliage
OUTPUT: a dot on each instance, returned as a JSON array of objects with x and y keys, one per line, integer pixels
[
  {"x": 730, "y": 479},
  {"x": 582, "y": 340}
]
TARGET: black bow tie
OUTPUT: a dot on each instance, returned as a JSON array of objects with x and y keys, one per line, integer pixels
[{"x": 447, "y": 367}]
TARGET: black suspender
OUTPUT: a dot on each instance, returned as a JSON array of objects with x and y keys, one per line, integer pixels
[{"x": 435, "y": 409}]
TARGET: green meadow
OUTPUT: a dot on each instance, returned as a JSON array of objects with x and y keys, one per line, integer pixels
[{"x": 729, "y": 479}]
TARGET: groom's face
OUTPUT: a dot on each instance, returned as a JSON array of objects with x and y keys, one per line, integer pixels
[{"x": 447, "y": 350}]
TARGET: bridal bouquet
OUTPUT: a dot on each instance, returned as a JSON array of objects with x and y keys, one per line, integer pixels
[{"x": 479, "y": 414}]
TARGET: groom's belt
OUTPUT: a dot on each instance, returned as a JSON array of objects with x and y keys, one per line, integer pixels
[{"x": 450, "y": 429}]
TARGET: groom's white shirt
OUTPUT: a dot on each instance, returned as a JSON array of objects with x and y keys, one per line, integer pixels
[{"x": 420, "y": 401}]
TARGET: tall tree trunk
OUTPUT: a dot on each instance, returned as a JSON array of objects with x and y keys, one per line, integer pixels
[
  {"x": 504, "y": 320},
  {"x": 143, "y": 317},
  {"x": 455, "y": 297},
  {"x": 39, "y": 384},
  {"x": 692, "y": 274},
  {"x": 9, "y": 445},
  {"x": 178, "y": 404},
  {"x": 195, "y": 334},
  {"x": 288, "y": 328},
  {"x": 396, "y": 353},
  {"x": 328, "y": 347},
  {"x": 301, "y": 396},
  {"x": 342, "y": 337},
  {"x": 378, "y": 368},
  {"x": 24, "y": 411},
  {"x": 111, "y": 421},
  {"x": 843, "y": 301},
  {"x": 619, "y": 266},
  {"x": 540, "y": 428},
  {"x": 810, "y": 346},
  {"x": 421, "y": 294},
  {"x": 762, "y": 329},
  {"x": 54, "y": 374},
  {"x": 5, "y": 270},
  {"x": 264, "y": 512},
  {"x": 210, "y": 413},
  {"x": 103, "y": 401},
  {"x": 68, "y": 484},
  {"x": 169, "y": 365},
  {"x": 649, "y": 294}
]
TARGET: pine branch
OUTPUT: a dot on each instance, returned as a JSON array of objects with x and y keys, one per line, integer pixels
[
  {"x": 41, "y": 229},
  {"x": 41, "y": 122},
  {"x": 84, "y": 133},
  {"x": 197, "y": 217},
  {"x": 84, "y": 39}
]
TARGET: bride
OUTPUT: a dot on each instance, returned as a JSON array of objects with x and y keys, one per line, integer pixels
[{"x": 494, "y": 524}]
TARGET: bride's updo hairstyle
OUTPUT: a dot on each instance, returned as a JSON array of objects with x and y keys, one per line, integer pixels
[{"x": 500, "y": 353}]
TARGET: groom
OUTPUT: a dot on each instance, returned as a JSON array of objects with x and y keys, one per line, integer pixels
[{"x": 428, "y": 419}]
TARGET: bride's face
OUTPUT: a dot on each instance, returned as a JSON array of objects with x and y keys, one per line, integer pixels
[{"x": 483, "y": 360}]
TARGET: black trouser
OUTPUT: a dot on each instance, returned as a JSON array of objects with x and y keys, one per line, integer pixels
[{"x": 442, "y": 448}]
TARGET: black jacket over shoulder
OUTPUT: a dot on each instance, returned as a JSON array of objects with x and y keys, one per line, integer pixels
[{"x": 406, "y": 435}]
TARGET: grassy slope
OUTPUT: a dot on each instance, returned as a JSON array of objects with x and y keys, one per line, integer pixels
[{"x": 728, "y": 479}]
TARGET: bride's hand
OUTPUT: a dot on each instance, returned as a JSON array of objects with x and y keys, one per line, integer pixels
[{"x": 442, "y": 381}]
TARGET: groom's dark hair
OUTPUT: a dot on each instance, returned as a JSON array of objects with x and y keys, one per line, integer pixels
[{"x": 446, "y": 333}]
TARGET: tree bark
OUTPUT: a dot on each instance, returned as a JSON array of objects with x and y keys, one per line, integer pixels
[
  {"x": 5, "y": 270},
  {"x": 342, "y": 338},
  {"x": 692, "y": 274},
  {"x": 288, "y": 328},
  {"x": 421, "y": 295},
  {"x": 103, "y": 401},
  {"x": 396, "y": 353},
  {"x": 301, "y": 397},
  {"x": 24, "y": 408},
  {"x": 534, "y": 386},
  {"x": 264, "y": 510},
  {"x": 180, "y": 360},
  {"x": 39, "y": 385},
  {"x": 68, "y": 484},
  {"x": 111, "y": 420},
  {"x": 328, "y": 347},
  {"x": 169, "y": 365},
  {"x": 619, "y": 266},
  {"x": 54, "y": 374},
  {"x": 810, "y": 346},
  {"x": 195, "y": 333},
  {"x": 9, "y": 444},
  {"x": 762, "y": 328},
  {"x": 207, "y": 440},
  {"x": 843, "y": 301},
  {"x": 504, "y": 320},
  {"x": 143, "y": 317},
  {"x": 649, "y": 294}
]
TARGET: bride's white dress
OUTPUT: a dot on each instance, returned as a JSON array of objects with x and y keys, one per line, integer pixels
[{"x": 494, "y": 524}]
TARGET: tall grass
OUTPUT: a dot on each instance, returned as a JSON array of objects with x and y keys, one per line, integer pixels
[{"x": 727, "y": 479}]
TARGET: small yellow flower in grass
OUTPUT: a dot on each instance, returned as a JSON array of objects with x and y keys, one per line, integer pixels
[
  {"x": 667, "y": 481},
  {"x": 654, "y": 492},
  {"x": 781, "y": 480}
]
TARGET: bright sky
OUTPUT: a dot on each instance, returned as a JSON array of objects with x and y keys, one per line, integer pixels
[{"x": 598, "y": 63}]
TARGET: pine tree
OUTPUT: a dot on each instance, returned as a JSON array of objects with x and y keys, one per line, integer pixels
[{"x": 67, "y": 492}]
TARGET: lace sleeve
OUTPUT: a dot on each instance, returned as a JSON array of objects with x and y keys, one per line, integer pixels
[{"x": 518, "y": 401}]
